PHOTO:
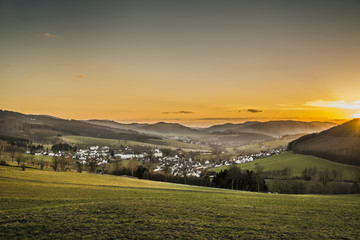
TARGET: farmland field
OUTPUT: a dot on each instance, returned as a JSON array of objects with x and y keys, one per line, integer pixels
[
  {"x": 39, "y": 204},
  {"x": 297, "y": 163}
]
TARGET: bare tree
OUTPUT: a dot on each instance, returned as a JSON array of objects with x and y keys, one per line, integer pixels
[
  {"x": 32, "y": 160},
  {"x": 19, "y": 157},
  {"x": 334, "y": 173},
  {"x": 259, "y": 170},
  {"x": 55, "y": 163},
  {"x": 324, "y": 176},
  {"x": 3, "y": 146},
  {"x": 65, "y": 161},
  {"x": 91, "y": 162},
  {"x": 23, "y": 160},
  {"x": 234, "y": 173},
  {"x": 132, "y": 164}
]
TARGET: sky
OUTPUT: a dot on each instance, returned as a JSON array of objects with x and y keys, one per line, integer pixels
[{"x": 192, "y": 62}]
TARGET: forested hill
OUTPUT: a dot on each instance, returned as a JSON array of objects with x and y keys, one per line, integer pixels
[
  {"x": 41, "y": 128},
  {"x": 340, "y": 144}
]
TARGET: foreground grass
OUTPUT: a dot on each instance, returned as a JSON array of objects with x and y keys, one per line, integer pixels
[
  {"x": 42, "y": 204},
  {"x": 297, "y": 163}
]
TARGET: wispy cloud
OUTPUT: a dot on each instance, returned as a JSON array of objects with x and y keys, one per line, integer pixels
[
  {"x": 49, "y": 35},
  {"x": 226, "y": 119},
  {"x": 252, "y": 110},
  {"x": 179, "y": 112},
  {"x": 335, "y": 104}
]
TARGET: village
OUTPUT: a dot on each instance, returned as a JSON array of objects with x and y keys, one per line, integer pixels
[{"x": 177, "y": 164}]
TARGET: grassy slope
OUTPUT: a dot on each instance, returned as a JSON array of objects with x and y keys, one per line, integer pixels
[
  {"x": 7, "y": 157},
  {"x": 41, "y": 204},
  {"x": 297, "y": 163},
  {"x": 116, "y": 143},
  {"x": 264, "y": 146}
]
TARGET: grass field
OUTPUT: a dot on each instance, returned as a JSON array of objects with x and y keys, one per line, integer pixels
[
  {"x": 297, "y": 163},
  {"x": 39, "y": 204},
  {"x": 161, "y": 143}
]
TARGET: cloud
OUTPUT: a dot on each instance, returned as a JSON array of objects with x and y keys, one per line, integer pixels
[
  {"x": 356, "y": 115},
  {"x": 221, "y": 119},
  {"x": 49, "y": 35},
  {"x": 252, "y": 110},
  {"x": 80, "y": 76},
  {"x": 335, "y": 104},
  {"x": 179, "y": 112}
]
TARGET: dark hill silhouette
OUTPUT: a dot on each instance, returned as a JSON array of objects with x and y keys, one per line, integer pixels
[{"x": 340, "y": 144}]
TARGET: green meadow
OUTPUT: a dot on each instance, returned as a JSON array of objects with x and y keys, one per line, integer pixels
[
  {"x": 297, "y": 163},
  {"x": 39, "y": 204}
]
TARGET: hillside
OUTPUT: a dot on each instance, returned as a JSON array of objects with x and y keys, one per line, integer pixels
[
  {"x": 40, "y": 128},
  {"x": 340, "y": 144},
  {"x": 101, "y": 207},
  {"x": 227, "y": 127},
  {"x": 272, "y": 128},
  {"x": 117, "y": 143},
  {"x": 297, "y": 163},
  {"x": 160, "y": 128},
  {"x": 241, "y": 138}
]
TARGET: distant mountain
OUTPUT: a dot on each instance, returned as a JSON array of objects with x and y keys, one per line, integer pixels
[
  {"x": 340, "y": 144},
  {"x": 114, "y": 124},
  {"x": 44, "y": 128},
  {"x": 272, "y": 128},
  {"x": 160, "y": 128},
  {"x": 41, "y": 128},
  {"x": 228, "y": 127}
]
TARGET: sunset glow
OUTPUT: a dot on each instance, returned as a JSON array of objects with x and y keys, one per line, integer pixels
[
  {"x": 357, "y": 115},
  {"x": 197, "y": 63}
]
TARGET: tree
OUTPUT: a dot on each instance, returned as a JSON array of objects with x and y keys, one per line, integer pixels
[
  {"x": 258, "y": 170},
  {"x": 19, "y": 157},
  {"x": 140, "y": 170},
  {"x": 334, "y": 173},
  {"x": 42, "y": 164},
  {"x": 23, "y": 163},
  {"x": 12, "y": 154},
  {"x": 3, "y": 146},
  {"x": 91, "y": 162},
  {"x": 55, "y": 163},
  {"x": 65, "y": 161},
  {"x": 132, "y": 166},
  {"x": 32, "y": 160},
  {"x": 234, "y": 174},
  {"x": 78, "y": 166},
  {"x": 324, "y": 176},
  {"x": 103, "y": 167}
]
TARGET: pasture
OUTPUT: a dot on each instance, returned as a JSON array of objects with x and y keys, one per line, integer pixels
[
  {"x": 297, "y": 163},
  {"x": 39, "y": 204}
]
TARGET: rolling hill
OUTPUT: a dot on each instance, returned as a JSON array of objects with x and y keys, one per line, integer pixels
[
  {"x": 48, "y": 129},
  {"x": 340, "y": 144},
  {"x": 160, "y": 128},
  {"x": 41, "y": 128},
  {"x": 296, "y": 163},
  {"x": 272, "y": 128}
]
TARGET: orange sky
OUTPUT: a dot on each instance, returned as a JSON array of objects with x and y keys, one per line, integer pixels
[{"x": 195, "y": 63}]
